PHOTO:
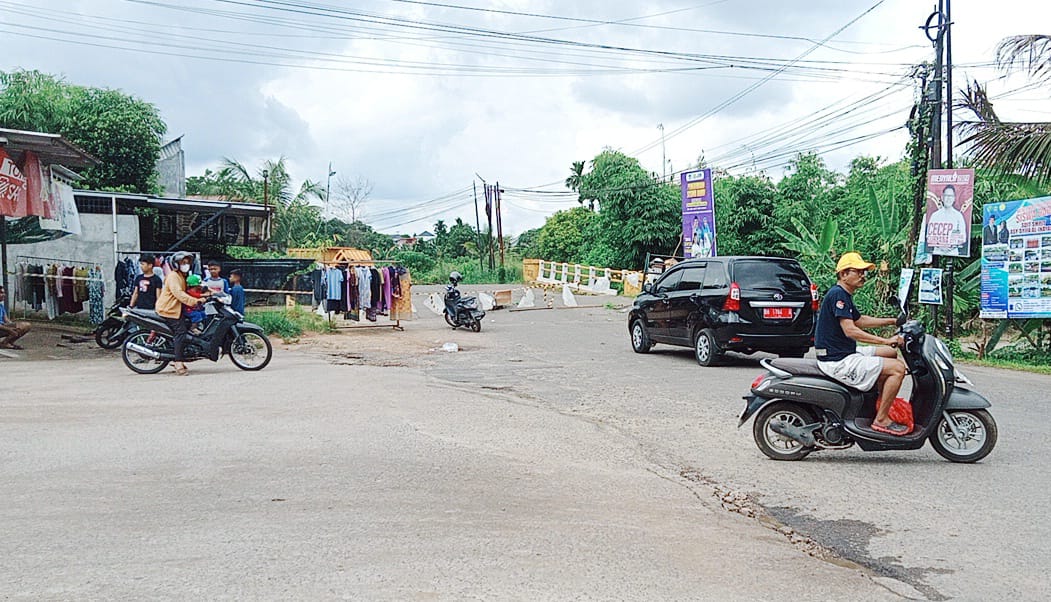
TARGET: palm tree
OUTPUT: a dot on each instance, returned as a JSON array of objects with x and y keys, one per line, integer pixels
[
  {"x": 1022, "y": 148},
  {"x": 576, "y": 177}
]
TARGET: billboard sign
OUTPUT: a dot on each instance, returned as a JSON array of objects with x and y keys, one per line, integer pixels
[
  {"x": 1016, "y": 259},
  {"x": 950, "y": 201},
  {"x": 698, "y": 214}
]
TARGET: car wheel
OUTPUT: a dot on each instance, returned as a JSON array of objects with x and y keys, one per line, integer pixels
[
  {"x": 706, "y": 348},
  {"x": 640, "y": 339}
]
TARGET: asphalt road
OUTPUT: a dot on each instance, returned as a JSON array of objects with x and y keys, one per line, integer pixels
[{"x": 545, "y": 460}]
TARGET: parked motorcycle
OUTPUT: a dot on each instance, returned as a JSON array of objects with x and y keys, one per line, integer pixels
[
  {"x": 149, "y": 350},
  {"x": 114, "y": 329},
  {"x": 800, "y": 410},
  {"x": 460, "y": 310}
]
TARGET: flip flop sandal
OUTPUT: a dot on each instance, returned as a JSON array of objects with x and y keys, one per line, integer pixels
[
  {"x": 182, "y": 371},
  {"x": 894, "y": 428}
]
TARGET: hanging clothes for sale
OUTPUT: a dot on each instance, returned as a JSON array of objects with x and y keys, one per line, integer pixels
[
  {"x": 334, "y": 300},
  {"x": 96, "y": 294}
]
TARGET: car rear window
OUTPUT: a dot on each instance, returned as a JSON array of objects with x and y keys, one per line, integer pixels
[{"x": 784, "y": 275}]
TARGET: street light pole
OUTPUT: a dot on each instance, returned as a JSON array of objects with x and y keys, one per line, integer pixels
[
  {"x": 266, "y": 202},
  {"x": 328, "y": 187},
  {"x": 664, "y": 158}
]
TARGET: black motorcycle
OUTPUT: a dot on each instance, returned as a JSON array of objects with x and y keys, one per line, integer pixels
[
  {"x": 114, "y": 329},
  {"x": 460, "y": 310},
  {"x": 149, "y": 350},
  {"x": 801, "y": 410}
]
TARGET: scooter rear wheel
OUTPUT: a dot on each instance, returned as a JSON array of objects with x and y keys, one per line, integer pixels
[
  {"x": 978, "y": 430},
  {"x": 773, "y": 444},
  {"x": 143, "y": 364}
]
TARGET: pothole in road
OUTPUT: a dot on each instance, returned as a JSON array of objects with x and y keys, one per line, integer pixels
[{"x": 841, "y": 542}]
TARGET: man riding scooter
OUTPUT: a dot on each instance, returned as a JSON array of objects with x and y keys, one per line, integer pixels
[{"x": 839, "y": 330}]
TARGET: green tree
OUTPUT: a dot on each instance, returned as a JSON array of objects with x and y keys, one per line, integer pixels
[
  {"x": 562, "y": 237},
  {"x": 1012, "y": 147},
  {"x": 744, "y": 210},
  {"x": 576, "y": 176},
  {"x": 120, "y": 130},
  {"x": 637, "y": 214}
]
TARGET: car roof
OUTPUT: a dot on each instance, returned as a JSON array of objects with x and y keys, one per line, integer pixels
[{"x": 732, "y": 258}]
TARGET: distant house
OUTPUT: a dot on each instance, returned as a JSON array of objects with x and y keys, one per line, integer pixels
[
  {"x": 425, "y": 236},
  {"x": 171, "y": 169},
  {"x": 403, "y": 240}
]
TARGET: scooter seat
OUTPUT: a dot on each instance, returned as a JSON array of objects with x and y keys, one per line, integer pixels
[
  {"x": 798, "y": 366},
  {"x": 146, "y": 313}
]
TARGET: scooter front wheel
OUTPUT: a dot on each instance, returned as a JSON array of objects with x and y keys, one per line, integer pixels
[
  {"x": 973, "y": 438},
  {"x": 450, "y": 321},
  {"x": 106, "y": 335},
  {"x": 251, "y": 351},
  {"x": 773, "y": 444}
]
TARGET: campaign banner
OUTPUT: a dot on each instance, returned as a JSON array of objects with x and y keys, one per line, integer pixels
[
  {"x": 931, "y": 286},
  {"x": 1016, "y": 259},
  {"x": 698, "y": 214},
  {"x": 13, "y": 189},
  {"x": 947, "y": 224},
  {"x": 905, "y": 286}
]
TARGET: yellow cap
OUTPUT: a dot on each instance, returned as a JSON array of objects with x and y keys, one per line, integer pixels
[{"x": 853, "y": 260}]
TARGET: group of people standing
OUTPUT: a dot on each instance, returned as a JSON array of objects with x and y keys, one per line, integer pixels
[{"x": 179, "y": 296}]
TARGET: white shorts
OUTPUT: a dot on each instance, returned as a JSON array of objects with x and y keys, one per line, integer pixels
[{"x": 860, "y": 370}]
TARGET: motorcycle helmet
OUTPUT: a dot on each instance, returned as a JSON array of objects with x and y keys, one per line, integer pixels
[
  {"x": 177, "y": 258},
  {"x": 455, "y": 278},
  {"x": 193, "y": 280}
]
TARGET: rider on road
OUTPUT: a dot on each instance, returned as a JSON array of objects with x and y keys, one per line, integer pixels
[{"x": 839, "y": 330}]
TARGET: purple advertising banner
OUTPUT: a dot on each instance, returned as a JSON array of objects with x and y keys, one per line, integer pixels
[{"x": 698, "y": 214}]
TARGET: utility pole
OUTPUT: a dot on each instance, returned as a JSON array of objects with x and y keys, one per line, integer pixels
[
  {"x": 500, "y": 229},
  {"x": 477, "y": 225},
  {"x": 664, "y": 158},
  {"x": 489, "y": 217},
  {"x": 950, "y": 277}
]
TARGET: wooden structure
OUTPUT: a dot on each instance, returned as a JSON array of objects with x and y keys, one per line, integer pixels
[{"x": 334, "y": 255}]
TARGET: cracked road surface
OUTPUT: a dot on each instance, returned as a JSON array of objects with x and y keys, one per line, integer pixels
[{"x": 543, "y": 461}]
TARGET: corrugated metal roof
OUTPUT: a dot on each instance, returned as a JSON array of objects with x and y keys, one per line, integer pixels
[{"x": 51, "y": 148}]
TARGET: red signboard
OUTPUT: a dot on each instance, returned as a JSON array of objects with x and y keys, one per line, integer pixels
[{"x": 13, "y": 189}]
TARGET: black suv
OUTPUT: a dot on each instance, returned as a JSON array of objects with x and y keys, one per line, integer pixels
[{"x": 719, "y": 304}]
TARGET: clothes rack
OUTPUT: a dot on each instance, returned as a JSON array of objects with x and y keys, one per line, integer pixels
[{"x": 365, "y": 264}]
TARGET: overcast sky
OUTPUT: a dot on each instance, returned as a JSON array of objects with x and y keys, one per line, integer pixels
[{"x": 418, "y": 97}]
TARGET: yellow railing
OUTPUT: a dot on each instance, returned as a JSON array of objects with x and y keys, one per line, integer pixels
[{"x": 579, "y": 277}]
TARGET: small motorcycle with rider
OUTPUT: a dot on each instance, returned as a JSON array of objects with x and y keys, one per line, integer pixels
[{"x": 806, "y": 405}]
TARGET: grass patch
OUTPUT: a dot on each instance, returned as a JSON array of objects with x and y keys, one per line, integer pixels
[
  {"x": 289, "y": 323},
  {"x": 1019, "y": 356}
]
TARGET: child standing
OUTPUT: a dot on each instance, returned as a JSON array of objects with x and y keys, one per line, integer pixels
[
  {"x": 237, "y": 292},
  {"x": 195, "y": 312}
]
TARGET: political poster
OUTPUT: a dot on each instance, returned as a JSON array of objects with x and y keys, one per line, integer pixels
[
  {"x": 698, "y": 214},
  {"x": 931, "y": 286},
  {"x": 1016, "y": 259},
  {"x": 905, "y": 286},
  {"x": 946, "y": 226}
]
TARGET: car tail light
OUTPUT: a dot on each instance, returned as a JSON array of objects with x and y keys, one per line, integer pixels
[
  {"x": 758, "y": 379},
  {"x": 733, "y": 300},
  {"x": 814, "y": 305}
]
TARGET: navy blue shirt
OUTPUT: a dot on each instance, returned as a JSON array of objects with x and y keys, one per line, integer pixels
[
  {"x": 830, "y": 342},
  {"x": 237, "y": 298}
]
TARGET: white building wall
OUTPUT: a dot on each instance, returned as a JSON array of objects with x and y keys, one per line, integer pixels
[{"x": 94, "y": 245}]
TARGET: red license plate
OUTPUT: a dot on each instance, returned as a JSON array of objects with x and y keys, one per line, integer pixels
[{"x": 777, "y": 313}]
